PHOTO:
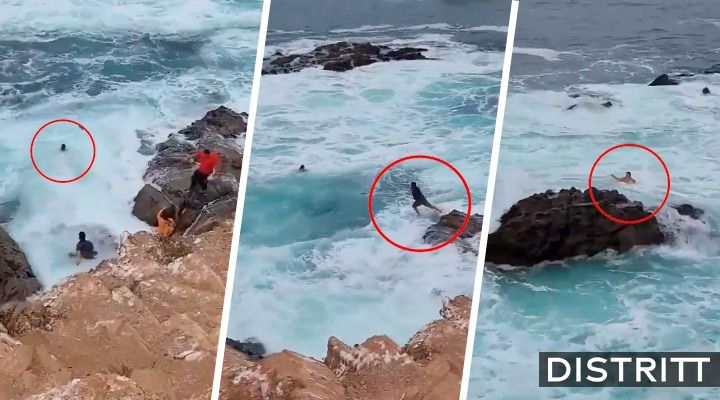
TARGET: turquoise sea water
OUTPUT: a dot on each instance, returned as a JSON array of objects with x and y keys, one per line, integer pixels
[
  {"x": 126, "y": 71},
  {"x": 310, "y": 264}
]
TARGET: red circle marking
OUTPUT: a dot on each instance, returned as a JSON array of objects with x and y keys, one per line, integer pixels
[
  {"x": 624, "y": 221},
  {"x": 51, "y": 179},
  {"x": 441, "y": 245}
]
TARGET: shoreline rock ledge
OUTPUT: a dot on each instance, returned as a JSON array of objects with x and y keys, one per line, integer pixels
[
  {"x": 553, "y": 226},
  {"x": 428, "y": 367},
  {"x": 169, "y": 171},
  {"x": 339, "y": 57},
  {"x": 17, "y": 280}
]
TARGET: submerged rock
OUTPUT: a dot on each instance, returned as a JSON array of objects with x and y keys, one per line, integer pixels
[
  {"x": 689, "y": 210},
  {"x": 663, "y": 80},
  {"x": 339, "y": 57},
  {"x": 715, "y": 69},
  {"x": 554, "y": 226},
  {"x": 449, "y": 224},
  {"x": 169, "y": 172},
  {"x": 428, "y": 367},
  {"x": 17, "y": 280}
]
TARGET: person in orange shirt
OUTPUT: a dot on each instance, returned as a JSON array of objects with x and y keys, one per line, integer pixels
[
  {"x": 166, "y": 221},
  {"x": 207, "y": 161}
]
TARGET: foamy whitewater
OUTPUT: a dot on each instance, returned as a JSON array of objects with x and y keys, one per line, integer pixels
[
  {"x": 130, "y": 71},
  {"x": 659, "y": 299},
  {"x": 310, "y": 264}
]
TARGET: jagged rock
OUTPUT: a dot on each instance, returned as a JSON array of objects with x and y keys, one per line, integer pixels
[
  {"x": 154, "y": 324},
  {"x": 169, "y": 172},
  {"x": 251, "y": 347},
  {"x": 689, "y": 210},
  {"x": 449, "y": 224},
  {"x": 715, "y": 69},
  {"x": 148, "y": 202},
  {"x": 429, "y": 367},
  {"x": 663, "y": 80},
  {"x": 98, "y": 386},
  {"x": 339, "y": 57},
  {"x": 213, "y": 214},
  {"x": 554, "y": 226},
  {"x": 17, "y": 280}
]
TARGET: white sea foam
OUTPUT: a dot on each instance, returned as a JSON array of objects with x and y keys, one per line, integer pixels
[{"x": 345, "y": 280}]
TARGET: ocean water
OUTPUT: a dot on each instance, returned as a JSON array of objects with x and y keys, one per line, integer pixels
[
  {"x": 126, "y": 71},
  {"x": 310, "y": 264},
  {"x": 654, "y": 299}
]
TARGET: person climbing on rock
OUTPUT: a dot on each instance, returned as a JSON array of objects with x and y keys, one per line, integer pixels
[
  {"x": 207, "y": 161},
  {"x": 166, "y": 221},
  {"x": 84, "y": 250},
  {"x": 420, "y": 199},
  {"x": 625, "y": 179}
]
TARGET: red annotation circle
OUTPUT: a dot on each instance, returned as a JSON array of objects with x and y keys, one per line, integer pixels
[
  {"x": 634, "y": 221},
  {"x": 416, "y": 250},
  {"x": 51, "y": 179}
]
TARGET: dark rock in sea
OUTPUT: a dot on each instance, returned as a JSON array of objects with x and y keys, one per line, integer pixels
[
  {"x": 554, "y": 226},
  {"x": 572, "y": 107},
  {"x": 705, "y": 91},
  {"x": 17, "y": 280},
  {"x": 8, "y": 209},
  {"x": 715, "y": 69},
  {"x": 663, "y": 80},
  {"x": 449, "y": 224},
  {"x": 169, "y": 171},
  {"x": 339, "y": 57},
  {"x": 607, "y": 104},
  {"x": 251, "y": 347},
  {"x": 689, "y": 210}
]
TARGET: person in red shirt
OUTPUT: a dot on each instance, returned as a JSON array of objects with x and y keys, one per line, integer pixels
[{"x": 207, "y": 161}]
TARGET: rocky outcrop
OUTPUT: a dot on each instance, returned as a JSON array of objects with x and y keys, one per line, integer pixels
[
  {"x": 689, "y": 210},
  {"x": 428, "y": 367},
  {"x": 17, "y": 280},
  {"x": 339, "y": 57},
  {"x": 663, "y": 80},
  {"x": 554, "y": 226},
  {"x": 169, "y": 171},
  {"x": 143, "y": 325},
  {"x": 715, "y": 69},
  {"x": 449, "y": 224}
]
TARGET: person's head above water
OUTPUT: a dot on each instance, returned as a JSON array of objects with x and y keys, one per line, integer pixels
[
  {"x": 627, "y": 174},
  {"x": 206, "y": 151},
  {"x": 63, "y": 147},
  {"x": 412, "y": 184},
  {"x": 81, "y": 236},
  {"x": 302, "y": 167},
  {"x": 706, "y": 90}
]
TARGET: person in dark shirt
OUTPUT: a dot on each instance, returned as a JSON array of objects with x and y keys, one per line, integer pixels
[
  {"x": 84, "y": 249},
  {"x": 420, "y": 199}
]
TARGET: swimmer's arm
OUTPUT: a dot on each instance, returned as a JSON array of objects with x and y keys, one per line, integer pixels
[{"x": 616, "y": 178}]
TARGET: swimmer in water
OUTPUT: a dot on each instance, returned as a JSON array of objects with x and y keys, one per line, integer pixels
[
  {"x": 625, "y": 179},
  {"x": 420, "y": 199},
  {"x": 302, "y": 168},
  {"x": 63, "y": 147}
]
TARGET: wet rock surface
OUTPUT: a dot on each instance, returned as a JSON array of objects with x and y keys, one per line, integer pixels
[
  {"x": 664, "y": 80},
  {"x": 339, "y": 57},
  {"x": 428, "y": 367},
  {"x": 449, "y": 224},
  {"x": 689, "y": 210},
  {"x": 169, "y": 171},
  {"x": 554, "y": 226},
  {"x": 17, "y": 280}
]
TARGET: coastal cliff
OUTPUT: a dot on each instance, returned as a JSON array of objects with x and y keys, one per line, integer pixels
[
  {"x": 142, "y": 325},
  {"x": 428, "y": 367}
]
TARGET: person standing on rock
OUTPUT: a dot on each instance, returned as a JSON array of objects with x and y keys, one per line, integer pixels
[
  {"x": 207, "y": 161},
  {"x": 420, "y": 199}
]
